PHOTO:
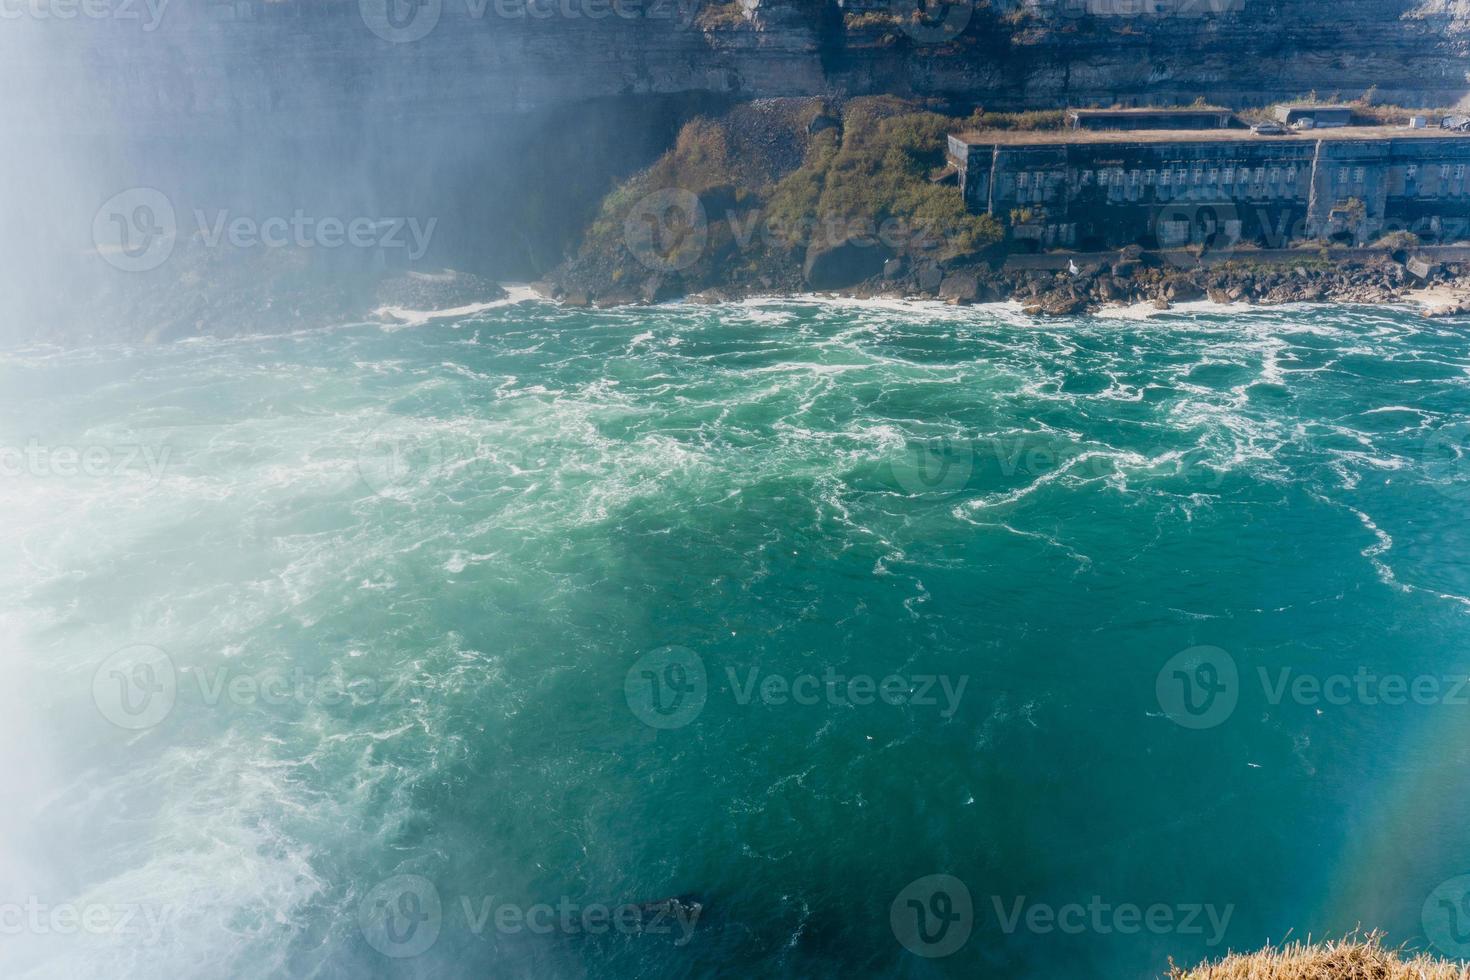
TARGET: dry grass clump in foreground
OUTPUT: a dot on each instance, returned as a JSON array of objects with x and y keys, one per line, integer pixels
[{"x": 1353, "y": 958}]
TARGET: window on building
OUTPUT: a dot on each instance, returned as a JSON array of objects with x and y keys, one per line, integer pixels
[
  {"x": 1459, "y": 171},
  {"x": 1411, "y": 171},
  {"x": 1133, "y": 178},
  {"x": 1212, "y": 176},
  {"x": 1199, "y": 175},
  {"x": 1291, "y": 175},
  {"x": 1444, "y": 172},
  {"x": 1342, "y": 176},
  {"x": 1181, "y": 177},
  {"x": 1228, "y": 176},
  {"x": 1023, "y": 179},
  {"x": 1148, "y": 177},
  {"x": 1275, "y": 175},
  {"x": 1357, "y": 175},
  {"x": 1087, "y": 176},
  {"x": 1165, "y": 176},
  {"x": 1260, "y": 174}
]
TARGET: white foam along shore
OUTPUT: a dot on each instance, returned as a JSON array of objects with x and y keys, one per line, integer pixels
[
  {"x": 1119, "y": 311},
  {"x": 401, "y": 317},
  {"x": 1432, "y": 301}
]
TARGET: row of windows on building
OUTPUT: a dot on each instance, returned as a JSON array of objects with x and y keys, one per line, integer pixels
[
  {"x": 1411, "y": 172},
  {"x": 1117, "y": 177}
]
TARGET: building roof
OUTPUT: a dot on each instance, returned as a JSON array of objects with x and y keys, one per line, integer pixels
[
  {"x": 1053, "y": 137},
  {"x": 1149, "y": 110}
]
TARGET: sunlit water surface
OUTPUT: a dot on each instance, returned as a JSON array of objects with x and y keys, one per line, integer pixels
[{"x": 385, "y": 602}]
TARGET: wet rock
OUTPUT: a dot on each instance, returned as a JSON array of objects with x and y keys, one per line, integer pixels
[
  {"x": 659, "y": 289},
  {"x": 1063, "y": 303},
  {"x": 1184, "y": 291},
  {"x": 929, "y": 278},
  {"x": 960, "y": 287},
  {"x": 893, "y": 268},
  {"x": 844, "y": 264},
  {"x": 620, "y": 298}
]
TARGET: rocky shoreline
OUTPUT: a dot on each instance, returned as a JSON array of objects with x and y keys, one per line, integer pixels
[{"x": 1131, "y": 277}]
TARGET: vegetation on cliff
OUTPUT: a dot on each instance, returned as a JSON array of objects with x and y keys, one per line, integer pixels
[{"x": 751, "y": 198}]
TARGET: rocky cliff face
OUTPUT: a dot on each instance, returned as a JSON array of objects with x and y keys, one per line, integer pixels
[
  {"x": 265, "y": 60},
  {"x": 508, "y": 120}
]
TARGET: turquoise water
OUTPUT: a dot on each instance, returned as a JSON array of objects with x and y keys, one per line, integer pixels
[{"x": 348, "y": 648}]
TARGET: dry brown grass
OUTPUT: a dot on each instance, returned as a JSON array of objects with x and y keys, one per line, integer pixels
[{"x": 1353, "y": 958}]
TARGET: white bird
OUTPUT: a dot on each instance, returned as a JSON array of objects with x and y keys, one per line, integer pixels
[{"x": 1072, "y": 267}]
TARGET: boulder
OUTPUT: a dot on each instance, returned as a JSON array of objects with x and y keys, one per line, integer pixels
[
  {"x": 929, "y": 278},
  {"x": 1184, "y": 291},
  {"x": 893, "y": 268},
  {"x": 845, "y": 263},
  {"x": 960, "y": 287},
  {"x": 1063, "y": 303}
]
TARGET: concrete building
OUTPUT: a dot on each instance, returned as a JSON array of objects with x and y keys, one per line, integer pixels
[
  {"x": 1187, "y": 118},
  {"x": 1311, "y": 116},
  {"x": 1097, "y": 190}
]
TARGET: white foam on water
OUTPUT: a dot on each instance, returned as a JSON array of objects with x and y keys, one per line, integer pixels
[{"x": 403, "y": 318}]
